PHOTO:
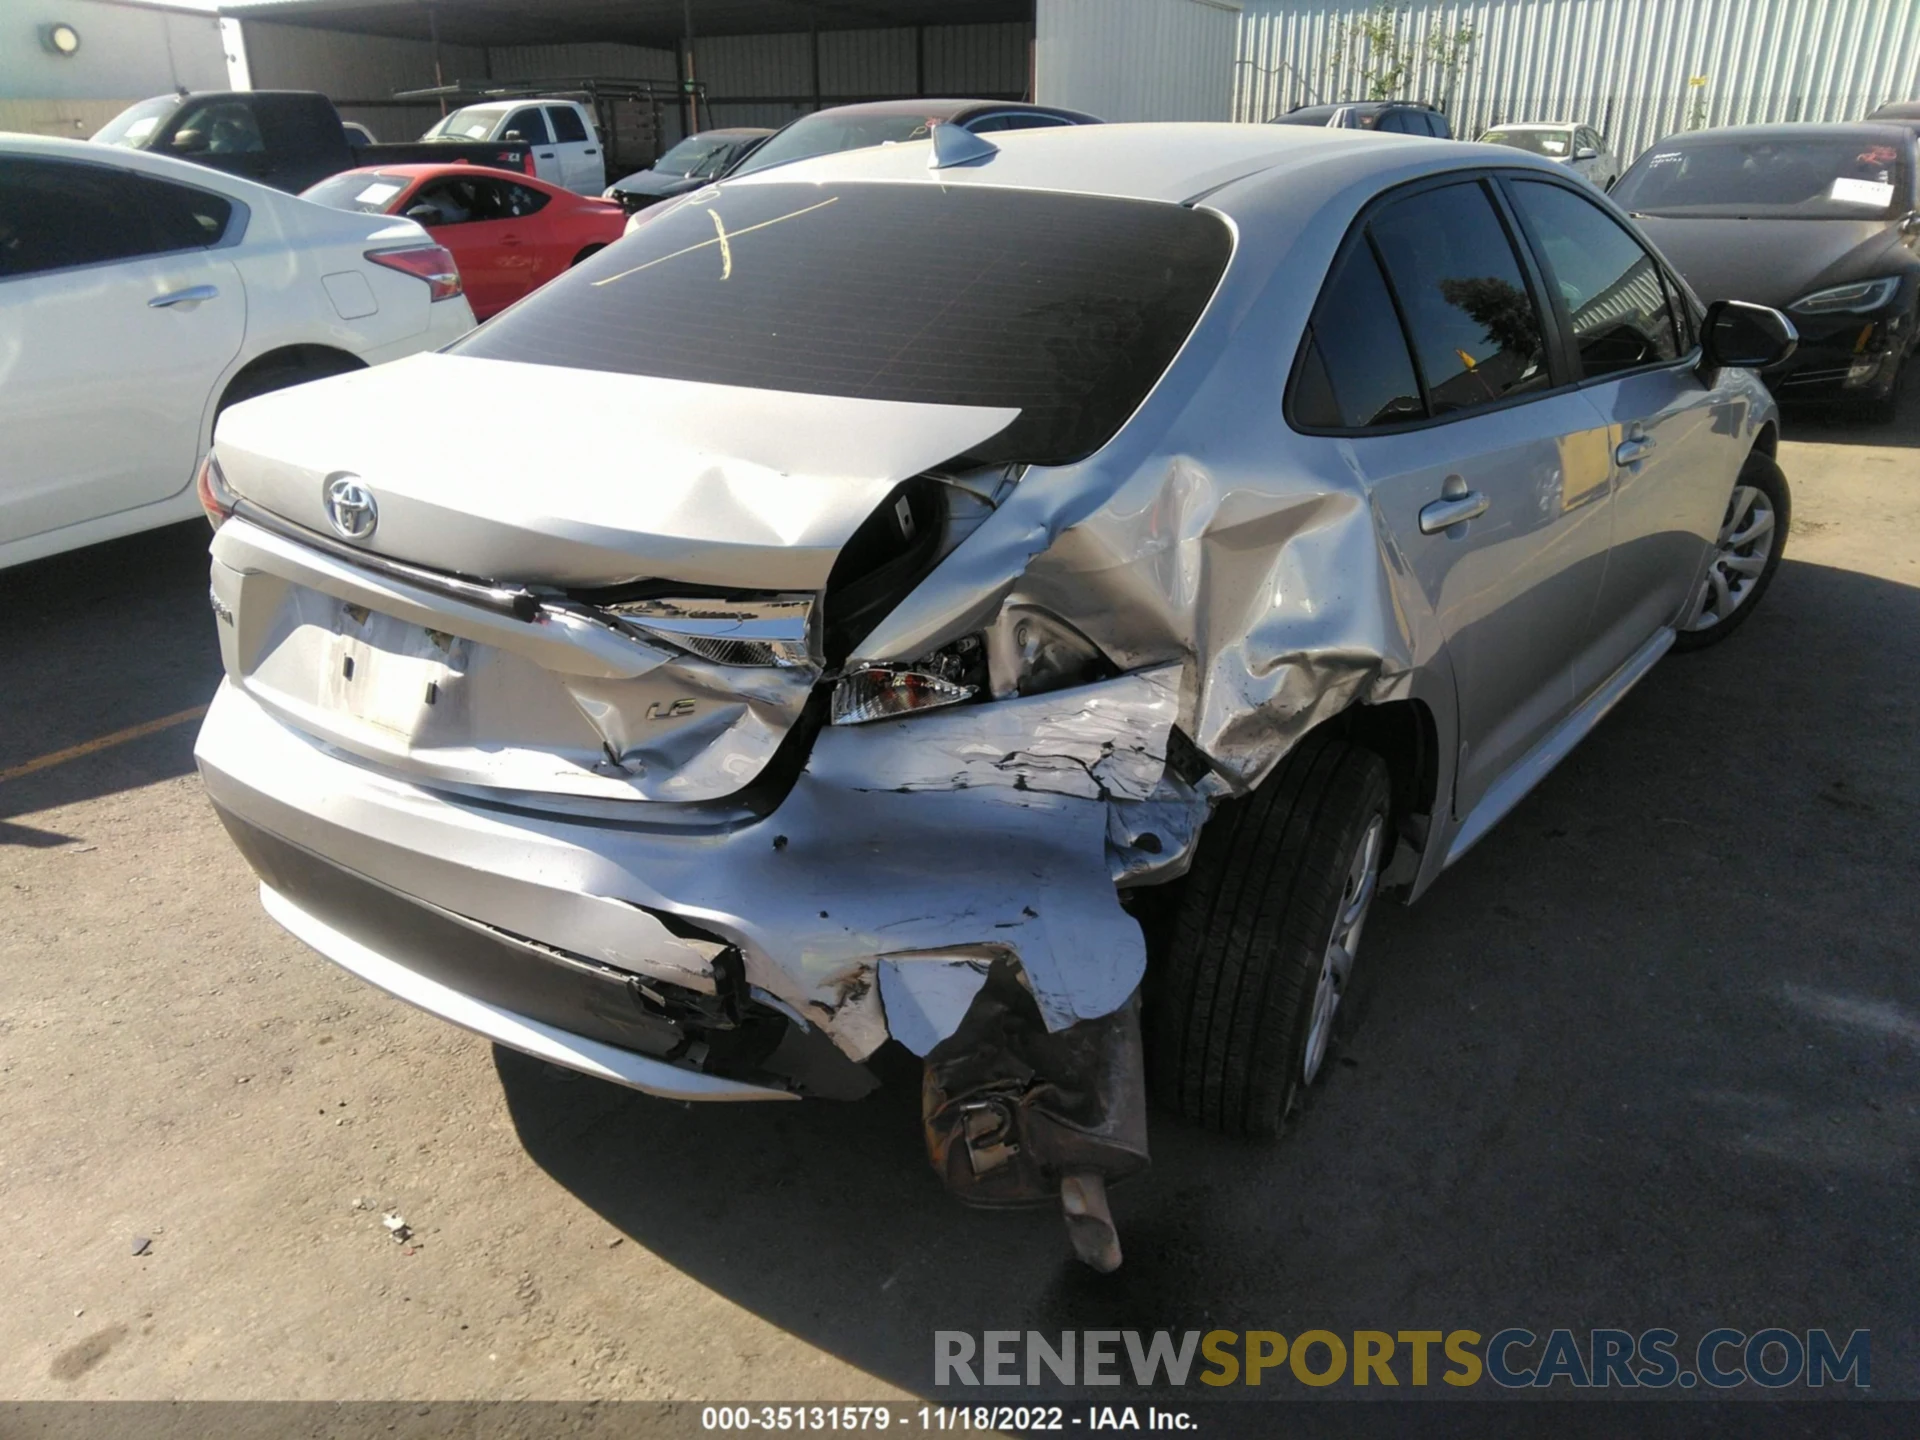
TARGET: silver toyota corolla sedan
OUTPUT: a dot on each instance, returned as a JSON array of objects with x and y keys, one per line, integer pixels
[{"x": 873, "y": 598}]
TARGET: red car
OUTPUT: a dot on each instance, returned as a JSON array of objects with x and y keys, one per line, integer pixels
[{"x": 509, "y": 234}]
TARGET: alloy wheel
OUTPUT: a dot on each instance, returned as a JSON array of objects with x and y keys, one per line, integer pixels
[
  {"x": 1336, "y": 965},
  {"x": 1739, "y": 558}
]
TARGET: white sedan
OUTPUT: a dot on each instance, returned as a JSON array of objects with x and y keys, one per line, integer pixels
[
  {"x": 140, "y": 296},
  {"x": 1581, "y": 148}
]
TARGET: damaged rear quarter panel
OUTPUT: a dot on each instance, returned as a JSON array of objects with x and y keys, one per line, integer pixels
[{"x": 1210, "y": 536}]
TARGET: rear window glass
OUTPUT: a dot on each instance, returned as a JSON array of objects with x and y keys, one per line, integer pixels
[
  {"x": 368, "y": 191},
  {"x": 1819, "y": 177},
  {"x": 1066, "y": 307}
]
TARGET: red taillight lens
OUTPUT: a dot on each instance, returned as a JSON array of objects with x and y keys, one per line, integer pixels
[
  {"x": 216, "y": 498},
  {"x": 431, "y": 263}
]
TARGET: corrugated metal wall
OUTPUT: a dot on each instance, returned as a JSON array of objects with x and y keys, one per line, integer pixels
[
  {"x": 1137, "y": 59},
  {"x": 750, "y": 79},
  {"x": 1622, "y": 65}
]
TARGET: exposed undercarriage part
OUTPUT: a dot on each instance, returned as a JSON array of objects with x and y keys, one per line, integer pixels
[{"x": 1016, "y": 1114}]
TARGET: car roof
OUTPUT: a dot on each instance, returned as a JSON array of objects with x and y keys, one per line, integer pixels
[
  {"x": 1370, "y": 107},
  {"x": 428, "y": 170},
  {"x": 731, "y": 132},
  {"x": 1797, "y": 130},
  {"x": 942, "y": 108},
  {"x": 1897, "y": 110},
  {"x": 1540, "y": 125},
  {"x": 1170, "y": 162}
]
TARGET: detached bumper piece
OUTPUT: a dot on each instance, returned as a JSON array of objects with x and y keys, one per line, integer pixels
[
  {"x": 725, "y": 1034},
  {"x": 1016, "y": 1115}
]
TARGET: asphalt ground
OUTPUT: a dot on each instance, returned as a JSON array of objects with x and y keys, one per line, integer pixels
[{"x": 1645, "y": 1058}]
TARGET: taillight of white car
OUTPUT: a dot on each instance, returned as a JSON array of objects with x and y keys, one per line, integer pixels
[
  {"x": 216, "y": 496},
  {"x": 431, "y": 263}
]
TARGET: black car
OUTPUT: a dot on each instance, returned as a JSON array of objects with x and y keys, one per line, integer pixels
[
  {"x": 1394, "y": 117},
  {"x": 1815, "y": 220},
  {"x": 889, "y": 122},
  {"x": 289, "y": 139},
  {"x": 692, "y": 163}
]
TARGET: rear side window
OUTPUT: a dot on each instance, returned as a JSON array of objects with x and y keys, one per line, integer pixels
[
  {"x": 1610, "y": 285},
  {"x": 1355, "y": 372},
  {"x": 1065, "y": 307},
  {"x": 1437, "y": 123},
  {"x": 566, "y": 123},
  {"x": 1476, "y": 331},
  {"x": 184, "y": 218},
  {"x": 54, "y": 215}
]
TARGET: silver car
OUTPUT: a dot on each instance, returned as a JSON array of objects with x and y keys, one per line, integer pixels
[
  {"x": 1580, "y": 148},
  {"x": 846, "y": 609}
]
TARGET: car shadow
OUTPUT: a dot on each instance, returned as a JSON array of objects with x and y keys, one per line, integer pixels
[
  {"x": 96, "y": 641},
  {"x": 1643, "y": 1058}
]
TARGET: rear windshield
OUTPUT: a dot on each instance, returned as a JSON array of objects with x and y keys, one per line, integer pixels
[
  {"x": 1844, "y": 177},
  {"x": 1067, "y": 307},
  {"x": 363, "y": 190},
  {"x": 1556, "y": 144},
  {"x": 135, "y": 125},
  {"x": 476, "y": 122}
]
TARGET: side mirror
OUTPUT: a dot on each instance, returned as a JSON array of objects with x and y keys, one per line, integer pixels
[
  {"x": 1746, "y": 337},
  {"x": 427, "y": 213},
  {"x": 513, "y": 136},
  {"x": 1586, "y": 152}
]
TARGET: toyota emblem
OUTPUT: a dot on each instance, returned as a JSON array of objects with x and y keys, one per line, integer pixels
[{"x": 351, "y": 509}]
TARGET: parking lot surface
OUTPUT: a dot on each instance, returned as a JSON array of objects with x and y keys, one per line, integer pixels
[{"x": 1646, "y": 1057}]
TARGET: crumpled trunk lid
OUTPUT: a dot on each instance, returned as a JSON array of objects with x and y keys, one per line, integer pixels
[
  {"x": 721, "y": 509},
  {"x": 545, "y": 475}
]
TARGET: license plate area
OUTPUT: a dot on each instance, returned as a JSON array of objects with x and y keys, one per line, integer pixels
[{"x": 392, "y": 674}]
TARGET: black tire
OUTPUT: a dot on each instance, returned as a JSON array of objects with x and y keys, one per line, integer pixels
[
  {"x": 1231, "y": 996},
  {"x": 1759, "y": 473},
  {"x": 279, "y": 374}
]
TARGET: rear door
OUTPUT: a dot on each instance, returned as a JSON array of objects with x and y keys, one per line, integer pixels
[
  {"x": 1431, "y": 356},
  {"x": 222, "y": 132},
  {"x": 577, "y": 151},
  {"x": 117, "y": 319},
  {"x": 1667, "y": 438},
  {"x": 529, "y": 123}
]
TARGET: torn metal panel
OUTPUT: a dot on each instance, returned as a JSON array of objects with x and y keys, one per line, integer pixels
[
  {"x": 813, "y": 896},
  {"x": 1096, "y": 742},
  {"x": 927, "y": 995}
]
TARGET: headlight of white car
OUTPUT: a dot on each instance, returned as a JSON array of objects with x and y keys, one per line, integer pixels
[{"x": 1853, "y": 299}]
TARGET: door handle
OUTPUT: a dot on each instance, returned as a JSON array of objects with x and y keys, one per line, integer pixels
[
  {"x": 546, "y": 155},
  {"x": 1452, "y": 510},
  {"x": 192, "y": 295},
  {"x": 1633, "y": 450},
  {"x": 589, "y": 152}
]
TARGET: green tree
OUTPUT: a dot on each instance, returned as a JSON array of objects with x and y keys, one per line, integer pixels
[{"x": 1372, "y": 48}]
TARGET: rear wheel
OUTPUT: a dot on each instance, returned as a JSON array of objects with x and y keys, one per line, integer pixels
[
  {"x": 277, "y": 372},
  {"x": 1752, "y": 538},
  {"x": 1246, "y": 997}
]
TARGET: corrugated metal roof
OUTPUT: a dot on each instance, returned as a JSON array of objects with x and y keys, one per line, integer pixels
[{"x": 1623, "y": 66}]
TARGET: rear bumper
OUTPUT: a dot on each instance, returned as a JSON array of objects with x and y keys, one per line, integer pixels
[{"x": 863, "y": 906}]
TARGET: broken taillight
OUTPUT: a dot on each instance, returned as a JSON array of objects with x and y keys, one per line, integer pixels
[
  {"x": 882, "y": 693},
  {"x": 216, "y": 496},
  {"x": 948, "y": 676},
  {"x": 431, "y": 263}
]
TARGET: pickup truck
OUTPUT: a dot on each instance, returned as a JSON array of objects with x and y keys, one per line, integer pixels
[
  {"x": 289, "y": 139},
  {"x": 566, "y": 141}
]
